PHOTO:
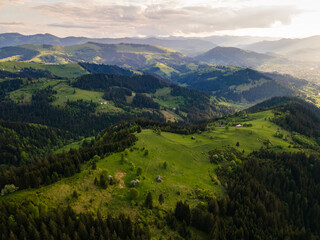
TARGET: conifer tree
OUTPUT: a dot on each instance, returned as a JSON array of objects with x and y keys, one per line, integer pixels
[{"x": 149, "y": 201}]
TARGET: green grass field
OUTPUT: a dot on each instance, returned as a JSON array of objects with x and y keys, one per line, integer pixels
[
  {"x": 24, "y": 94},
  {"x": 252, "y": 138},
  {"x": 74, "y": 145},
  {"x": 61, "y": 70},
  {"x": 188, "y": 168},
  {"x": 187, "y": 173},
  {"x": 65, "y": 92},
  {"x": 164, "y": 98}
]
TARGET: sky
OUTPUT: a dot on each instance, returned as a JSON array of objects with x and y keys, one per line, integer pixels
[{"x": 142, "y": 18}]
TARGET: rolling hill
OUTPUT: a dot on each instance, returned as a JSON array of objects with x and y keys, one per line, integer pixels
[
  {"x": 91, "y": 102},
  {"x": 158, "y": 60},
  {"x": 234, "y": 56},
  {"x": 217, "y": 172},
  {"x": 242, "y": 85},
  {"x": 236, "y": 84}
]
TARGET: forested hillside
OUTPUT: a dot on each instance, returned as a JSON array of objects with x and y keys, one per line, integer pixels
[
  {"x": 236, "y": 84},
  {"x": 212, "y": 185},
  {"x": 22, "y": 143},
  {"x": 89, "y": 103}
]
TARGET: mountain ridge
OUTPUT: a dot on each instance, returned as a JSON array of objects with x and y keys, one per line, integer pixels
[
  {"x": 187, "y": 46},
  {"x": 289, "y": 47},
  {"x": 234, "y": 56}
]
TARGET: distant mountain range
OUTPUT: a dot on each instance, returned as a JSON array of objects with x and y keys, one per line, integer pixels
[
  {"x": 187, "y": 46},
  {"x": 236, "y": 41},
  {"x": 298, "y": 49},
  {"x": 305, "y": 49}
]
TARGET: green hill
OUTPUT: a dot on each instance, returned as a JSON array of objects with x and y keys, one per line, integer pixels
[
  {"x": 237, "y": 84},
  {"x": 240, "y": 86},
  {"x": 92, "y": 102},
  {"x": 234, "y": 56},
  {"x": 232, "y": 84},
  {"x": 22, "y": 143},
  {"x": 59, "y": 70},
  {"x": 158, "y": 60},
  {"x": 202, "y": 169}
]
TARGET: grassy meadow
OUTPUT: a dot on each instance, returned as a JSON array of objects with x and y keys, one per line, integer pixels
[
  {"x": 61, "y": 70},
  {"x": 188, "y": 168}
]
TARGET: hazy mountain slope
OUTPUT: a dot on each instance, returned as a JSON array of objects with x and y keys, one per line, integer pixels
[
  {"x": 188, "y": 46},
  {"x": 235, "y": 41},
  {"x": 298, "y": 49},
  {"x": 234, "y": 56},
  {"x": 17, "y": 54}
]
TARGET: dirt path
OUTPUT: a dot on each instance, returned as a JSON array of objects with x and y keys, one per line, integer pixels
[{"x": 119, "y": 176}]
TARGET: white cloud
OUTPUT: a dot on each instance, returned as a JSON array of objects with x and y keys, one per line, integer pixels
[
  {"x": 100, "y": 18},
  {"x": 164, "y": 18},
  {"x": 13, "y": 2},
  {"x": 12, "y": 23}
]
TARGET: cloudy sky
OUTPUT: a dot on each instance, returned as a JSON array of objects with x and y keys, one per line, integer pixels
[{"x": 124, "y": 18}]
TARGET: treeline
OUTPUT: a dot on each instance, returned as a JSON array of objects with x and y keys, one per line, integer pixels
[
  {"x": 108, "y": 69},
  {"x": 269, "y": 196},
  {"x": 143, "y": 101},
  {"x": 287, "y": 79},
  {"x": 32, "y": 221},
  {"x": 9, "y": 86},
  {"x": 298, "y": 118},
  {"x": 263, "y": 91},
  {"x": 77, "y": 117},
  {"x": 222, "y": 82},
  {"x": 136, "y": 83},
  {"x": 118, "y": 95},
  {"x": 272, "y": 103},
  {"x": 29, "y": 73},
  {"x": 22, "y": 143},
  {"x": 144, "y": 123},
  {"x": 56, "y": 166},
  {"x": 197, "y": 104}
]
